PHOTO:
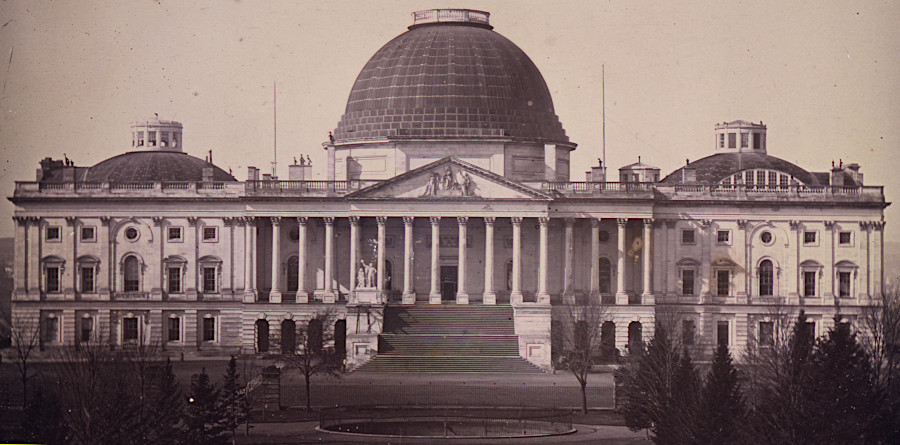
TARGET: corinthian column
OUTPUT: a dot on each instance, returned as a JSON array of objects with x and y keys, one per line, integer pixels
[
  {"x": 621, "y": 295},
  {"x": 515, "y": 295},
  {"x": 462, "y": 296},
  {"x": 543, "y": 296},
  {"x": 489, "y": 296},
  {"x": 409, "y": 294},
  {"x": 328, "y": 295},
  {"x": 434, "y": 297},
  {"x": 302, "y": 294},
  {"x": 275, "y": 294}
]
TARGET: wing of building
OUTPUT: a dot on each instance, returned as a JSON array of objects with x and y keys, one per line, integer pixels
[{"x": 448, "y": 202}]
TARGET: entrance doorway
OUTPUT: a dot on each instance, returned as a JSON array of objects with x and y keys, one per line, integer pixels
[{"x": 448, "y": 283}]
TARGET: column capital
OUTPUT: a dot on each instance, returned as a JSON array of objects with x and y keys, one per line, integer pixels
[
  {"x": 329, "y": 220},
  {"x": 489, "y": 220},
  {"x": 516, "y": 220},
  {"x": 192, "y": 221},
  {"x": 158, "y": 220},
  {"x": 878, "y": 225},
  {"x": 354, "y": 221},
  {"x": 462, "y": 220},
  {"x": 408, "y": 220},
  {"x": 228, "y": 221},
  {"x": 742, "y": 223},
  {"x": 829, "y": 225},
  {"x": 21, "y": 220},
  {"x": 620, "y": 222},
  {"x": 595, "y": 222},
  {"x": 105, "y": 220},
  {"x": 570, "y": 221},
  {"x": 544, "y": 220},
  {"x": 302, "y": 220},
  {"x": 381, "y": 220},
  {"x": 71, "y": 221},
  {"x": 240, "y": 221},
  {"x": 865, "y": 225},
  {"x": 795, "y": 225},
  {"x": 435, "y": 220},
  {"x": 275, "y": 220},
  {"x": 648, "y": 222},
  {"x": 706, "y": 223}
]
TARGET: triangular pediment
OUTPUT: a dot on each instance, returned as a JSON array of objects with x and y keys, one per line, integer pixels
[{"x": 449, "y": 178}]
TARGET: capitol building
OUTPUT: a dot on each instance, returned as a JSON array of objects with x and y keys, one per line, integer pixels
[{"x": 450, "y": 229}]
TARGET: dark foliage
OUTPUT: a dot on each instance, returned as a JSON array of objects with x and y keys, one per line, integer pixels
[
  {"x": 203, "y": 421},
  {"x": 722, "y": 412},
  {"x": 233, "y": 400}
]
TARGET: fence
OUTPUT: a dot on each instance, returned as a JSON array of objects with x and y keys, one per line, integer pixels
[{"x": 447, "y": 395}]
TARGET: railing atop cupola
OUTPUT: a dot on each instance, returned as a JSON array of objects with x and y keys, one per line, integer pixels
[{"x": 451, "y": 16}]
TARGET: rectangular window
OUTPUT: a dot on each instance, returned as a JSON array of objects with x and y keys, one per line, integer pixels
[
  {"x": 809, "y": 283},
  {"x": 732, "y": 140},
  {"x": 52, "y": 279},
  {"x": 687, "y": 282},
  {"x": 757, "y": 138},
  {"x": 687, "y": 236},
  {"x": 745, "y": 140},
  {"x": 748, "y": 178},
  {"x": 163, "y": 139},
  {"x": 129, "y": 329},
  {"x": 722, "y": 283},
  {"x": 760, "y": 179},
  {"x": 845, "y": 238},
  {"x": 809, "y": 237},
  {"x": 87, "y": 329},
  {"x": 209, "y": 329},
  {"x": 773, "y": 179},
  {"x": 88, "y": 234},
  {"x": 721, "y": 140},
  {"x": 210, "y": 234},
  {"x": 140, "y": 141},
  {"x": 722, "y": 333},
  {"x": 174, "y": 279},
  {"x": 174, "y": 233},
  {"x": 209, "y": 279},
  {"x": 783, "y": 181},
  {"x": 766, "y": 334},
  {"x": 723, "y": 236},
  {"x": 174, "y": 329},
  {"x": 151, "y": 138},
  {"x": 54, "y": 233},
  {"x": 844, "y": 284},
  {"x": 687, "y": 332},
  {"x": 51, "y": 329},
  {"x": 87, "y": 279}
]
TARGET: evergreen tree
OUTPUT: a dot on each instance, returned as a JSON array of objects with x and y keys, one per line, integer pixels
[
  {"x": 203, "y": 422},
  {"x": 648, "y": 380},
  {"x": 676, "y": 424},
  {"x": 166, "y": 407},
  {"x": 843, "y": 403},
  {"x": 233, "y": 399},
  {"x": 722, "y": 407}
]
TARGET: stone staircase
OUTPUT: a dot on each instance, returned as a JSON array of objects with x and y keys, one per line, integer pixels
[{"x": 448, "y": 338}]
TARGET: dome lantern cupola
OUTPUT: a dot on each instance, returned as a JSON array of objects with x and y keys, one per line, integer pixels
[
  {"x": 156, "y": 135},
  {"x": 741, "y": 136}
]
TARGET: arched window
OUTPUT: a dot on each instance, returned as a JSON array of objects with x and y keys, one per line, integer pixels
[
  {"x": 766, "y": 279},
  {"x": 314, "y": 335},
  {"x": 132, "y": 271},
  {"x": 262, "y": 336},
  {"x": 293, "y": 265},
  {"x": 340, "y": 338},
  {"x": 608, "y": 339},
  {"x": 605, "y": 276},
  {"x": 288, "y": 336},
  {"x": 635, "y": 340}
]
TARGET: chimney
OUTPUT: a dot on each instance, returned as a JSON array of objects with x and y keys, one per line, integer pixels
[
  {"x": 853, "y": 171},
  {"x": 837, "y": 176},
  {"x": 300, "y": 172},
  {"x": 252, "y": 174}
]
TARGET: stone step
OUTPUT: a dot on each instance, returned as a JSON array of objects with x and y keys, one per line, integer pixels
[
  {"x": 448, "y": 364},
  {"x": 448, "y": 345}
]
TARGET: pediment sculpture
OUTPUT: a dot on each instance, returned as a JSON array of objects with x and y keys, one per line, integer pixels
[{"x": 449, "y": 184}]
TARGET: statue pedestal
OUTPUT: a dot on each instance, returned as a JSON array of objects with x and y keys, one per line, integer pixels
[{"x": 368, "y": 296}]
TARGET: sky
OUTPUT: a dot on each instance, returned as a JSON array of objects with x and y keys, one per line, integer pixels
[{"x": 824, "y": 77}]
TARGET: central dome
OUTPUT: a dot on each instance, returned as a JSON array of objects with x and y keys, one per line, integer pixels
[{"x": 450, "y": 77}]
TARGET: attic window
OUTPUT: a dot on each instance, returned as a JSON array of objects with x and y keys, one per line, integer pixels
[
  {"x": 151, "y": 138},
  {"x": 745, "y": 140},
  {"x": 721, "y": 140},
  {"x": 732, "y": 140},
  {"x": 757, "y": 141}
]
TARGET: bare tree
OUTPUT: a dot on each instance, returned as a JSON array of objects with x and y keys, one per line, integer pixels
[
  {"x": 25, "y": 336},
  {"x": 578, "y": 338},
  {"x": 313, "y": 352},
  {"x": 880, "y": 323}
]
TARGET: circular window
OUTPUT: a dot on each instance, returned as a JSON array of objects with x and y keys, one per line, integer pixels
[
  {"x": 131, "y": 234},
  {"x": 604, "y": 236},
  {"x": 294, "y": 235},
  {"x": 766, "y": 237}
]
